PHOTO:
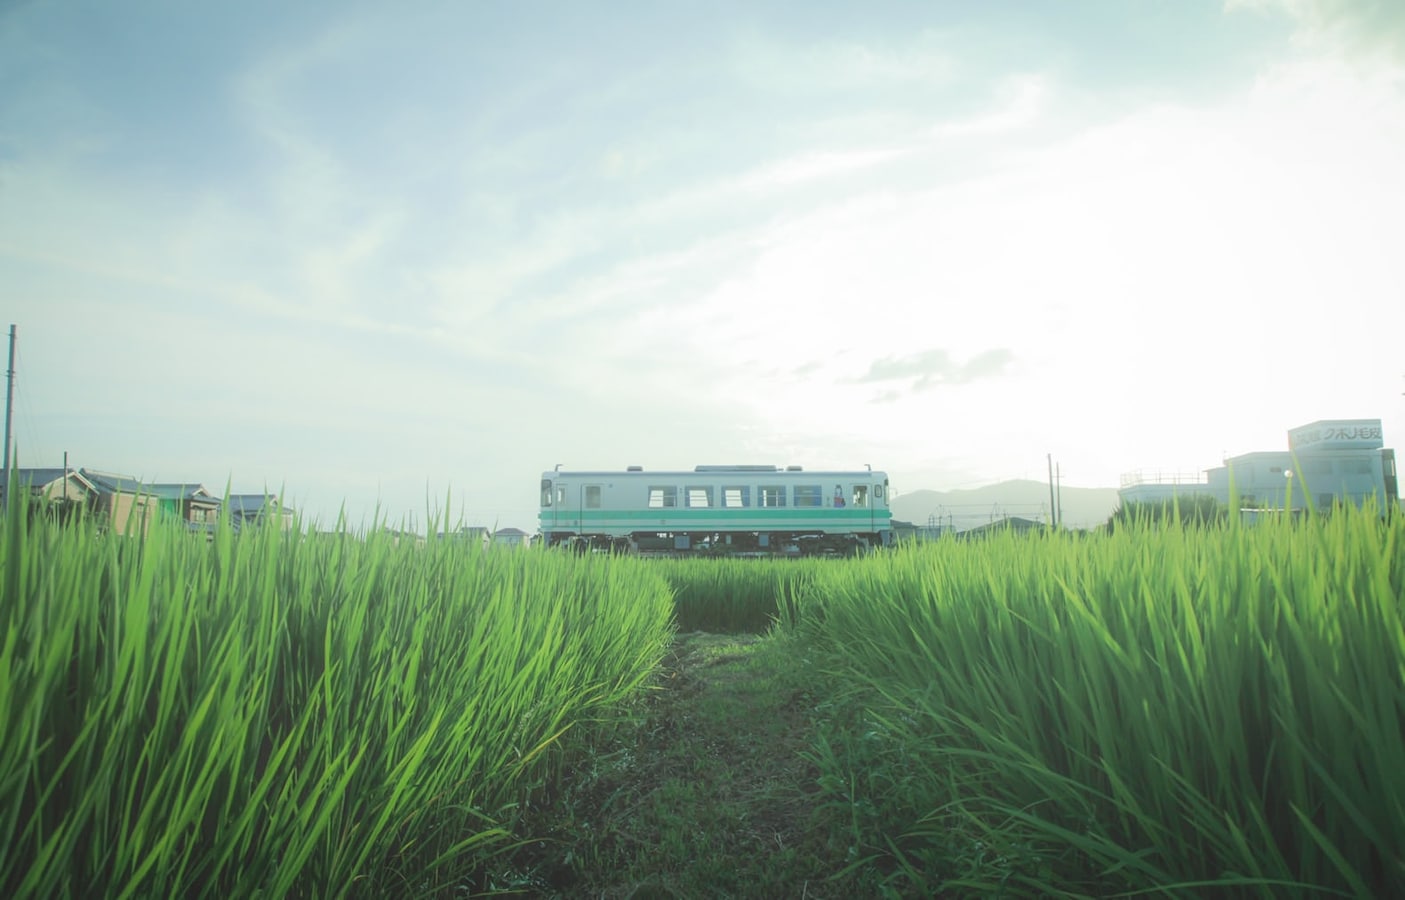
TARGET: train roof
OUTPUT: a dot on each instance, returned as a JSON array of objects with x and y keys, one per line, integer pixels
[{"x": 716, "y": 470}]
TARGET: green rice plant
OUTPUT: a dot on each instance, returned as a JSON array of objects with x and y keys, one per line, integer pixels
[
  {"x": 1161, "y": 709},
  {"x": 268, "y": 713},
  {"x": 737, "y": 595}
]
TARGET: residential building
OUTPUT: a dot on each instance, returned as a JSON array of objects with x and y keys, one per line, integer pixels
[
  {"x": 190, "y": 503},
  {"x": 511, "y": 537},
  {"x": 51, "y": 484},
  {"x": 467, "y": 534},
  {"x": 121, "y": 501},
  {"x": 1017, "y": 524},
  {"x": 256, "y": 509}
]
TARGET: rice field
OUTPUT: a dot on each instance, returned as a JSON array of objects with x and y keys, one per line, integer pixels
[
  {"x": 1165, "y": 710},
  {"x": 1161, "y": 709},
  {"x": 271, "y": 715},
  {"x": 739, "y": 595}
]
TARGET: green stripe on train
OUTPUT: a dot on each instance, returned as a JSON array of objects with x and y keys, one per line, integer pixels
[{"x": 848, "y": 517}]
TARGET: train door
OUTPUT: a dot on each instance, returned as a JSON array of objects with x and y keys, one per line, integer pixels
[
  {"x": 863, "y": 500},
  {"x": 587, "y": 508},
  {"x": 549, "y": 515},
  {"x": 881, "y": 496}
]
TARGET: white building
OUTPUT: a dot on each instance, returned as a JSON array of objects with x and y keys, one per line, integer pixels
[
  {"x": 511, "y": 537},
  {"x": 1329, "y": 461}
]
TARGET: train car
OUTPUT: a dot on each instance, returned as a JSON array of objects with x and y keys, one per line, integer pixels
[{"x": 717, "y": 509}]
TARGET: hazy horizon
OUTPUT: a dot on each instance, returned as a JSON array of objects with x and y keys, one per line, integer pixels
[{"x": 375, "y": 256}]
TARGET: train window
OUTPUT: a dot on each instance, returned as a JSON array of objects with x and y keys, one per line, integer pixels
[
  {"x": 861, "y": 495},
  {"x": 736, "y": 497},
  {"x": 592, "y": 496},
  {"x": 699, "y": 496},
  {"x": 661, "y": 497},
  {"x": 772, "y": 496},
  {"x": 809, "y": 495},
  {"x": 878, "y": 492},
  {"x": 546, "y": 492}
]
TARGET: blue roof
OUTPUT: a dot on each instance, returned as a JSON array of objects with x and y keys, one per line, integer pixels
[
  {"x": 37, "y": 476},
  {"x": 250, "y": 503},
  {"x": 108, "y": 483},
  {"x": 180, "y": 492}
]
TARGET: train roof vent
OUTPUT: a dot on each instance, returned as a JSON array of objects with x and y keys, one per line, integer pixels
[
  {"x": 634, "y": 468},
  {"x": 734, "y": 468},
  {"x": 795, "y": 468}
]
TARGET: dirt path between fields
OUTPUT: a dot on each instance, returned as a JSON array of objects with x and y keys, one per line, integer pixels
[{"x": 710, "y": 792}]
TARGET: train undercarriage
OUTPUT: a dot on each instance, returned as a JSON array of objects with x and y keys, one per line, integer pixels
[{"x": 705, "y": 543}]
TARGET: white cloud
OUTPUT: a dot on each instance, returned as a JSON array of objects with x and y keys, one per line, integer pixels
[
  {"x": 814, "y": 166},
  {"x": 1177, "y": 264},
  {"x": 1339, "y": 28},
  {"x": 1020, "y": 99},
  {"x": 923, "y": 60},
  {"x": 476, "y": 297}
]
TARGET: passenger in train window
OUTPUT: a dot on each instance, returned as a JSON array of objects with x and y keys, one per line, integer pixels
[{"x": 838, "y": 496}]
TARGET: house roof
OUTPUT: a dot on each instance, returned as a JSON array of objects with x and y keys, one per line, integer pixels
[
  {"x": 1271, "y": 456},
  {"x": 465, "y": 531},
  {"x": 40, "y": 478},
  {"x": 1015, "y": 523},
  {"x": 509, "y": 532},
  {"x": 180, "y": 492},
  {"x": 110, "y": 483},
  {"x": 251, "y": 505}
]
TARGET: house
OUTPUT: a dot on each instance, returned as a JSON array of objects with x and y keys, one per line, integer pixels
[
  {"x": 511, "y": 537},
  {"x": 257, "y": 509},
  {"x": 120, "y": 501},
  {"x": 904, "y": 531},
  {"x": 399, "y": 535},
  {"x": 1017, "y": 524},
  {"x": 467, "y": 534},
  {"x": 51, "y": 484},
  {"x": 1328, "y": 461},
  {"x": 117, "y": 498},
  {"x": 190, "y": 503}
]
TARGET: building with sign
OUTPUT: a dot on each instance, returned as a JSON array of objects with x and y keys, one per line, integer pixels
[{"x": 1327, "y": 462}]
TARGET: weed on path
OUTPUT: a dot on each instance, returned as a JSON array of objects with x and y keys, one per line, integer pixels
[{"x": 706, "y": 792}]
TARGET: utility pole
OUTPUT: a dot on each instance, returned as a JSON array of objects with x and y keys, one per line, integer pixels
[
  {"x": 1053, "y": 507},
  {"x": 1059, "y": 506},
  {"x": 9, "y": 408}
]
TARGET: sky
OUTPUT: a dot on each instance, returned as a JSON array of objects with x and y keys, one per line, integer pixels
[{"x": 397, "y": 260}]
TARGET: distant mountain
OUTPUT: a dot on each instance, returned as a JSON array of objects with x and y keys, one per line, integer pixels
[{"x": 963, "y": 509}]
